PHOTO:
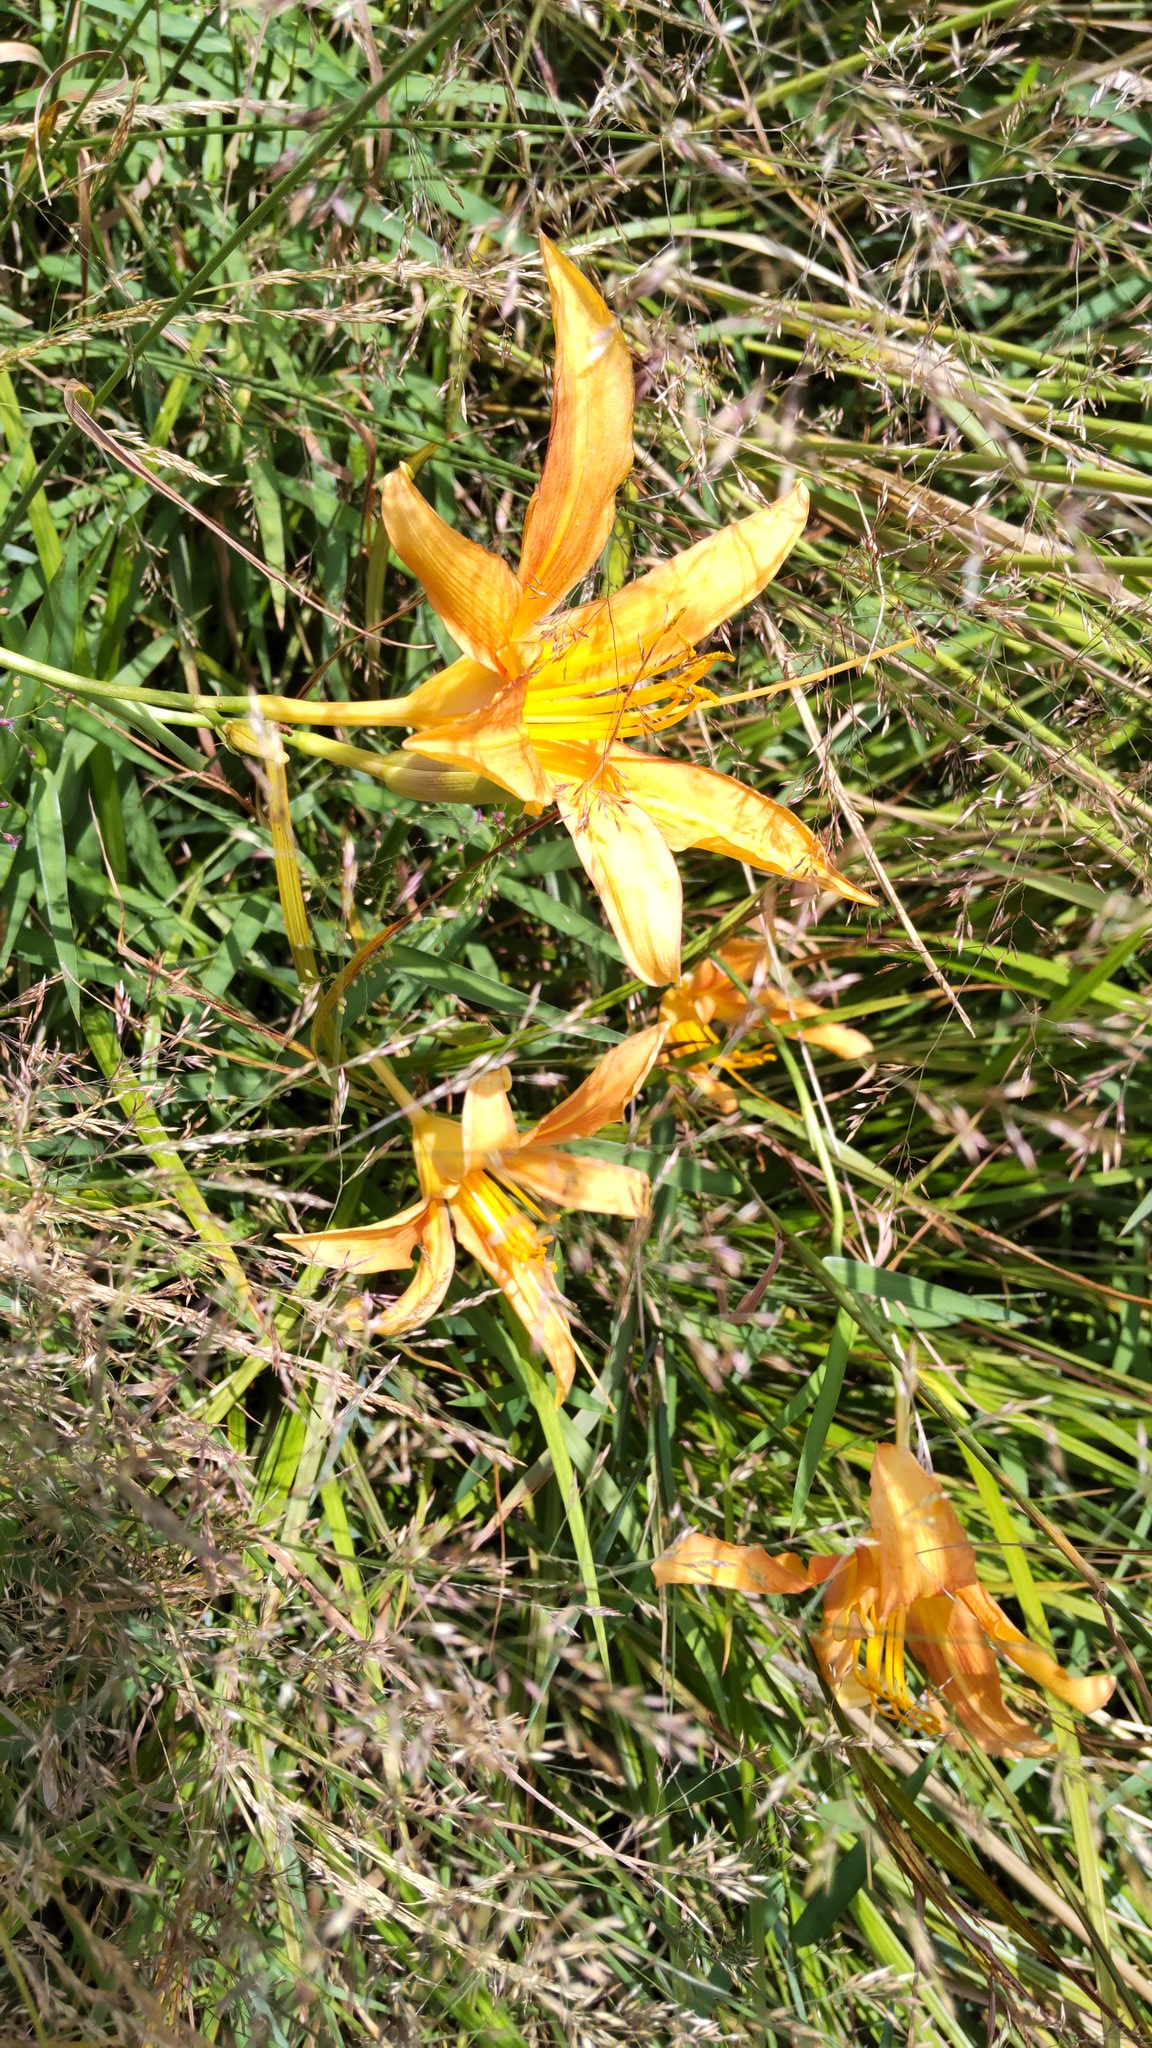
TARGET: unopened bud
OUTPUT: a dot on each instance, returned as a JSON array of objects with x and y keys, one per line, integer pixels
[
  {"x": 433, "y": 782},
  {"x": 236, "y": 732}
]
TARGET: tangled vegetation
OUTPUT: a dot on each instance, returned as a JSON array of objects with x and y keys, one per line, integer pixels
[{"x": 339, "y": 1702}]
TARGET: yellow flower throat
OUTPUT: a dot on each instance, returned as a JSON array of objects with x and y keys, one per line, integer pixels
[{"x": 498, "y": 1219}]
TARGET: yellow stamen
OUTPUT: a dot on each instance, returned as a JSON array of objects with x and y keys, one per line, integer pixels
[
  {"x": 561, "y": 698},
  {"x": 816, "y": 675},
  {"x": 883, "y": 1675},
  {"x": 742, "y": 1057},
  {"x": 687, "y": 1040},
  {"x": 893, "y": 1683},
  {"x": 494, "y": 1215},
  {"x": 688, "y": 1037}
]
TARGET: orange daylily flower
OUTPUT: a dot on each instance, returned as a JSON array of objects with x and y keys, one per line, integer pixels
[
  {"x": 543, "y": 707},
  {"x": 474, "y": 1174},
  {"x": 909, "y": 1584},
  {"x": 710, "y": 996}
]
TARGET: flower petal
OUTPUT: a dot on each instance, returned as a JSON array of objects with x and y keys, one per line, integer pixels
[
  {"x": 529, "y": 1285},
  {"x": 747, "y": 957},
  {"x": 589, "y": 454},
  {"x": 951, "y": 1647},
  {"x": 838, "y": 1038},
  {"x": 433, "y": 1277},
  {"x": 634, "y": 875},
  {"x": 495, "y": 742},
  {"x": 474, "y": 592},
  {"x": 737, "y": 1567},
  {"x": 710, "y": 1082},
  {"x": 668, "y": 612},
  {"x": 603, "y": 1097},
  {"x": 786, "y": 1010},
  {"x": 385, "y": 1247},
  {"x": 920, "y": 1546},
  {"x": 488, "y": 1123},
  {"x": 569, "y": 1182},
  {"x": 438, "y": 1145},
  {"x": 1086, "y": 1694},
  {"x": 849, "y": 1581},
  {"x": 685, "y": 1020},
  {"x": 713, "y": 997},
  {"x": 457, "y": 691},
  {"x": 697, "y": 807}
]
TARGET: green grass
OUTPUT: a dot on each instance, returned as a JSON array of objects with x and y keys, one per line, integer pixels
[{"x": 336, "y": 1701}]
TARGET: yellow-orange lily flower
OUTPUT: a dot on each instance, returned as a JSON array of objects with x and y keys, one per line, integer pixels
[
  {"x": 471, "y": 1172},
  {"x": 710, "y": 996},
  {"x": 909, "y": 1584},
  {"x": 544, "y": 707}
]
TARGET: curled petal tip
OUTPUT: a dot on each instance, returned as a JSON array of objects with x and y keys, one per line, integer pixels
[
  {"x": 1088, "y": 1693},
  {"x": 829, "y": 877}
]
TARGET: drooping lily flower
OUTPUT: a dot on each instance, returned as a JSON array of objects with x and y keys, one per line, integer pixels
[
  {"x": 484, "y": 1180},
  {"x": 711, "y": 996},
  {"x": 909, "y": 1585},
  {"x": 544, "y": 706}
]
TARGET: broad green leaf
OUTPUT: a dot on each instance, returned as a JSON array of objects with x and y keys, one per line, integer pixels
[
  {"x": 921, "y": 1303},
  {"x": 270, "y": 520},
  {"x": 1143, "y": 1208},
  {"x": 46, "y": 835},
  {"x": 827, "y": 1392},
  {"x": 828, "y": 1905},
  {"x": 427, "y": 970},
  {"x": 563, "y": 917},
  {"x": 40, "y": 515}
]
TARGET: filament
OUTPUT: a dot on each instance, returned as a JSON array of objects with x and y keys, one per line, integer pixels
[
  {"x": 586, "y": 706},
  {"x": 817, "y": 675},
  {"x": 883, "y": 1675}
]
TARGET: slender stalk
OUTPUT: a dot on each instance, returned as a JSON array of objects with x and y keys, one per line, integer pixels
[
  {"x": 388, "y": 1077},
  {"x": 281, "y": 710}
]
